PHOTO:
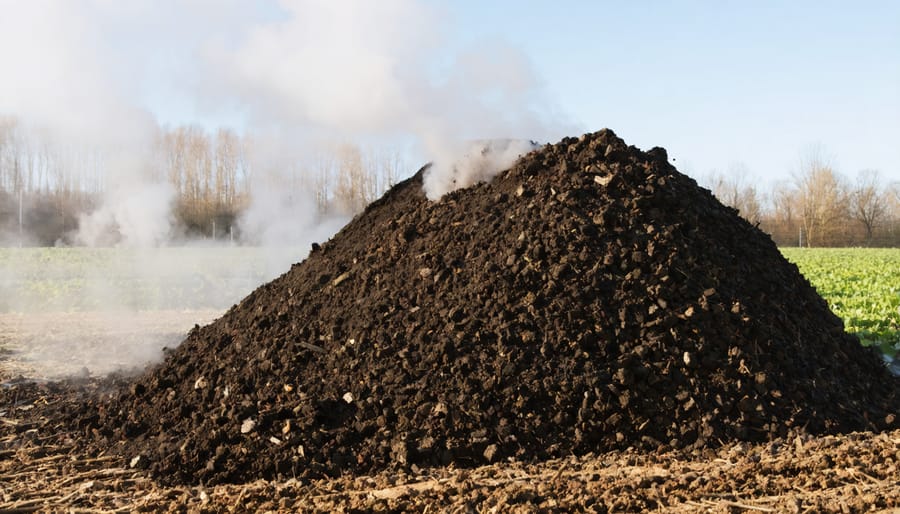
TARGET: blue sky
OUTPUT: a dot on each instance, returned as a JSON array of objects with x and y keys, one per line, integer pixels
[{"x": 719, "y": 84}]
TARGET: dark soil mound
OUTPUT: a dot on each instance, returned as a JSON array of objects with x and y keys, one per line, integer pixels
[{"x": 590, "y": 298}]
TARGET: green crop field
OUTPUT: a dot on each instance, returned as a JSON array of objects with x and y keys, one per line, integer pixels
[{"x": 861, "y": 285}]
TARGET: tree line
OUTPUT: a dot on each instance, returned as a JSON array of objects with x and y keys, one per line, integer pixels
[
  {"x": 817, "y": 206},
  {"x": 45, "y": 185}
]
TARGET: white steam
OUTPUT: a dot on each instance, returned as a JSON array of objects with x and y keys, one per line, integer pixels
[
  {"x": 278, "y": 217},
  {"x": 360, "y": 68},
  {"x": 132, "y": 215},
  {"x": 296, "y": 72},
  {"x": 479, "y": 162}
]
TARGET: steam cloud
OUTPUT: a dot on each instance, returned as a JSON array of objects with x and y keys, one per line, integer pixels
[
  {"x": 302, "y": 72},
  {"x": 372, "y": 68},
  {"x": 478, "y": 162},
  {"x": 134, "y": 215},
  {"x": 286, "y": 218}
]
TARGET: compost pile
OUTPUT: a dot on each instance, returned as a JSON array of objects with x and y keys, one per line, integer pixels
[{"x": 590, "y": 298}]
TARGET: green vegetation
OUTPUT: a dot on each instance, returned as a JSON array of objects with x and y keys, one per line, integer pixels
[
  {"x": 84, "y": 279},
  {"x": 861, "y": 285}
]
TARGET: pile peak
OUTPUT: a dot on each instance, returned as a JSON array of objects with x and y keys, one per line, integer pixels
[{"x": 590, "y": 298}]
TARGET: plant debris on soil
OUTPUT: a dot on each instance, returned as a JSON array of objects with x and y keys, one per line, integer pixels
[
  {"x": 591, "y": 299},
  {"x": 847, "y": 473}
]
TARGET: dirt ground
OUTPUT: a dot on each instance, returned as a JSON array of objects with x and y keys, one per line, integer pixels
[
  {"x": 45, "y": 468},
  {"x": 57, "y": 344},
  {"x": 42, "y": 469},
  {"x": 851, "y": 473}
]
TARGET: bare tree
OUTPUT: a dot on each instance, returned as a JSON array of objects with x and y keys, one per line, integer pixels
[
  {"x": 246, "y": 169},
  {"x": 7, "y": 149},
  {"x": 736, "y": 189},
  {"x": 175, "y": 148},
  {"x": 354, "y": 188},
  {"x": 893, "y": 196},
  {"x": 784, "y": 200},
  {"x": 227, "y": 162},
  {"x": 822, "y": 199},
  {"x": 780, "y": 221},
  {"x": 868, "y": 202},
  {"x": 322, "y": 179},
  {"x": 15, "y": 149},
  {"x": 385, "y": 165}
]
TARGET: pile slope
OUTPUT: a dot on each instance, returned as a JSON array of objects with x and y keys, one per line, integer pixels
[{"x": 590, "y": 298}]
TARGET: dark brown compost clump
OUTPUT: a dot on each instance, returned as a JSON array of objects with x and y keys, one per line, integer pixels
[{"x": 591, "y": 298}]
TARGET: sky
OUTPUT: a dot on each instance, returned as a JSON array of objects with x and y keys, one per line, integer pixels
[{"x": 720, "y": 84}]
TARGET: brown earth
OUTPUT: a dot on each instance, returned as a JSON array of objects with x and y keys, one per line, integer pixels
[
  {"x": 589, "y": 301},
  {"x": 857, "y": 472},
  {"x": 591, "y": 298}
]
